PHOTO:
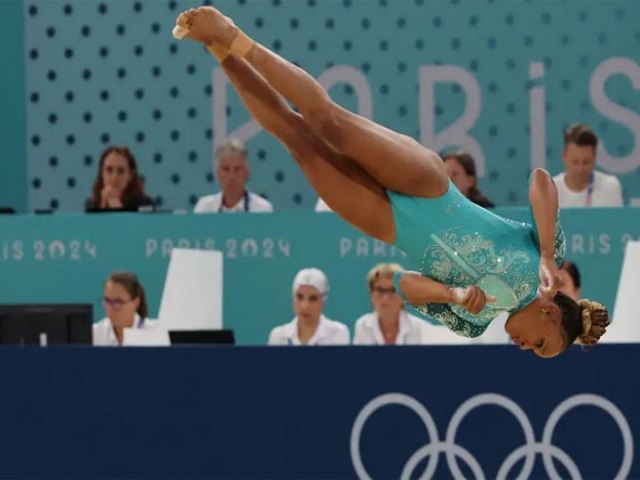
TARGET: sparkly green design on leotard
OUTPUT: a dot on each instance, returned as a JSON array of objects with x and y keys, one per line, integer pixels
[{"x": 460, "y": 244}]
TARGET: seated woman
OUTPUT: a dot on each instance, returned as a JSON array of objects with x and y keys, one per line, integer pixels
[
  {"x": 390, "y": 323},
  {"x": 125, "y": 304},
  {"x": 118, "y": 185},
  {"x": 474, "y": 265},
  {"x": 461, "y": 169},
  {"x": 310, "y": 326}
]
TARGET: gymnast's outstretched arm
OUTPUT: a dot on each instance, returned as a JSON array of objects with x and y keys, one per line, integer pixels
[{"x": 543, "y": 197}]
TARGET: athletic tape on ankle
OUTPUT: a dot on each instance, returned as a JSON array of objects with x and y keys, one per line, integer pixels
[
  {"x": 241, "y": 44},
  {"x": 179, "y": 32},
  {"x": 219, "y": 52}
]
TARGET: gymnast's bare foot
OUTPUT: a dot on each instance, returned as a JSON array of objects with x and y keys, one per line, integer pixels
[{"x": 207, "y": 25}]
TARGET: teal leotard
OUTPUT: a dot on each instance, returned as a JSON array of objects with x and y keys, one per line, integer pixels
[{"x": 459, "y": 244}]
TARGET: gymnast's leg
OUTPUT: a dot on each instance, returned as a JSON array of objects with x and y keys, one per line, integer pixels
[
  {"x": 396, "y": 161},
  {"x": 366, "y": 206}
]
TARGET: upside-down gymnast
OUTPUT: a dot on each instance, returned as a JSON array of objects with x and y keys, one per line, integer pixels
[{"x": 474, "y": 265}]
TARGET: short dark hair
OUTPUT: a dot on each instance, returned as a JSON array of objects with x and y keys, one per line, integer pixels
[{"x": 581, "y": 135}]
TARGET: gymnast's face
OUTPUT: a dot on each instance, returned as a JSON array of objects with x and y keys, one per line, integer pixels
[
  {"x": 308, "y": 303},
  {"x": 232, "y": 173},
  {"x": 461, "y": 179},
  {"x": 538, "y": 327},
  {"x": 579, "y": 162}
]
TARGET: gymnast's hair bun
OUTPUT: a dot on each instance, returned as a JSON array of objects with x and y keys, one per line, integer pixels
[{"x": 595, "y": 319}]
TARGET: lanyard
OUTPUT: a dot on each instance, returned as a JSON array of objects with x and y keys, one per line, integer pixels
[
  {"x": 245, "y": 200},
  {"x": 587, "y": 201}
]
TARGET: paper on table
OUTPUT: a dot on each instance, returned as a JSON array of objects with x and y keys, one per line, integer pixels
[
  {"x": 147, "y": 337},
  {"x": 192, "y": 295},
  {"x": 625, "y": 327}
]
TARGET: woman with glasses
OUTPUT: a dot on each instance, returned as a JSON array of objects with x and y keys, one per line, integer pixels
[
  {"x": 390, "y": 323},
  {"x": 125, "y": 304},
  {"x": 118, "y": 185}
]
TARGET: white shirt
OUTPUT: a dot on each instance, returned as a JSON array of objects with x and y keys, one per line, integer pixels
[
  {"x": 607, "y": 192},
  {"x": 104, "y": 336},
  {"x": 413, "y": 331},
  {"x": 329, "y": 332},
  {"x": 212, "y": 204},
  {"x": 368, "y": 330}
]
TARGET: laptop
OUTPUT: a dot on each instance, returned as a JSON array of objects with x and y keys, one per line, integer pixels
[{"x": 202, "y": 337}]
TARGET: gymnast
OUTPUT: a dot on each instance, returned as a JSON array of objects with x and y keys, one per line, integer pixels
[{"x": 474, "y": 264}]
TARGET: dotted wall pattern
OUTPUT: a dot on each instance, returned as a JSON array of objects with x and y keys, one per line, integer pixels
[{"x": 105, "y": 72}]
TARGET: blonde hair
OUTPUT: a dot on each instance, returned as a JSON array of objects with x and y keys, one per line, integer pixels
[
  {"x": 382, "y": 270},
  {"x": 595, "y": 319},
  {"x": 231, "y": 148}
]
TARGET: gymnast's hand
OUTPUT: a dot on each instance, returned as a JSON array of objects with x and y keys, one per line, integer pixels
[
  {"x": 473, "y": 299},
  {"x": 549, "y": 278}
]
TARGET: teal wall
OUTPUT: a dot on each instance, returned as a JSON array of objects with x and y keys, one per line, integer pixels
[
  {"x": 499, "y": 78},
  {"x": 13, "y": 165}
]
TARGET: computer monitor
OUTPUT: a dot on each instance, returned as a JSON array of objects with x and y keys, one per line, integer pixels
[
  {"x": 201, "y": 337},
  {"x": 46, "y": 324}
]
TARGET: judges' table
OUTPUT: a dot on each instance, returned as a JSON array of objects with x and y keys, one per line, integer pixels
[{"x": 66, "y": 258}]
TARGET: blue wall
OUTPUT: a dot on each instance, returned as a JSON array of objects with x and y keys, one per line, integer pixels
[
  {"x": 13, "y": 165},
  {"x": 297, "y": 412}
]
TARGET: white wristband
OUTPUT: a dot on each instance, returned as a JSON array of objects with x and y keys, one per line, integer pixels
[{"x": 459, "y": 293}]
